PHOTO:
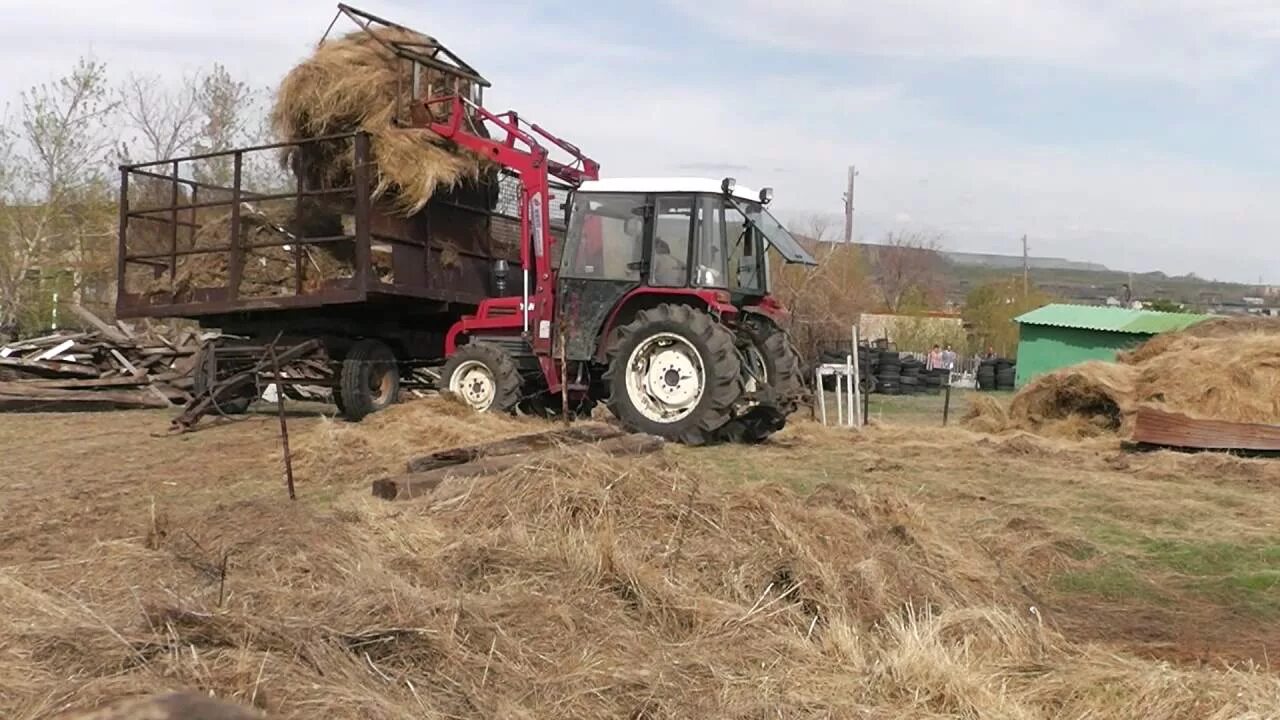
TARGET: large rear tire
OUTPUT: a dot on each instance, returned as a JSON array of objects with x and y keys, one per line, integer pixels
[
  {"x": 772, "y": 361},
  {"x": 370, "y": 379},
  {"x": 674, "y": 372},
  {"x": 484, "y": 377}
]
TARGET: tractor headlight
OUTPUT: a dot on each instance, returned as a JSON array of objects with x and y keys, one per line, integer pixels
[
  {"x": 728, "y": 185},
  {"x": 766, "y": 196}
]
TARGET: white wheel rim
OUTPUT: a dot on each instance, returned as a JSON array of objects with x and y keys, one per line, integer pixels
[
  {"x": 665, "y": 378},
  {"x": 474, "y": 383}
]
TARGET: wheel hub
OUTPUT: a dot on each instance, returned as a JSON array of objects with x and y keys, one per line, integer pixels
[
  {"x": 474, "y": 383},
  {"x": 665, "y": 378}
]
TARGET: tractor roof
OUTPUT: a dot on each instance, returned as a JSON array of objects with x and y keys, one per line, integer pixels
[{"x": 665, "y": 185}]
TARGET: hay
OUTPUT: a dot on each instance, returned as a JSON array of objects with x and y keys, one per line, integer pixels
[
  {"x": 1222, "y": 370},
  {"x": 381, "y": 444},
  {"x": 355, "y": 83},
  {"x": 587, "y": 588},
  {"x": 986, "y": 415}
]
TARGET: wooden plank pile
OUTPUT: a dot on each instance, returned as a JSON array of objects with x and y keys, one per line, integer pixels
[{"x": 110, "y": 366}]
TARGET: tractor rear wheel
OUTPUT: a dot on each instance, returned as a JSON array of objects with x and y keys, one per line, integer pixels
[
  {"x": 674, "y": 372},
  {"x": 774, "y": 363},
  {"x": 484, "y": 377},
  {"x": 370, "y": 379}
]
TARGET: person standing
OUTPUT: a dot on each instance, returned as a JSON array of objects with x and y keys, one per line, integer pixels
[
  {"x": 935, "y": 358},
  {"x": 949, "y": 359}
]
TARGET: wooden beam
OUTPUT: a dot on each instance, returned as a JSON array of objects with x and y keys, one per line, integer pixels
[
  {"x": 421, "y": 484},
  {"x": 512, "y": 446},
  {"x": 50, "y": 399},
  {"x": 42, "y": 368},
  {"x": 110, "y": 332},
  {"x": 1159, "y": 428}
]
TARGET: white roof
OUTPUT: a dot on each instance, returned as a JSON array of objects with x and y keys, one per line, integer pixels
[{"x": 665, "y": 185}]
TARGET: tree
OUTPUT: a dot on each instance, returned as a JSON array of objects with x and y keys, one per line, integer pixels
[
  {"x": 825, "y": 301},
  {"x": 907, "y": 265},
  {"x": 228, "y": 114},
  {"x": 989, "y": 310},
  {"x": 167, "y": 120},
  {"x": 55, "y": 194}
]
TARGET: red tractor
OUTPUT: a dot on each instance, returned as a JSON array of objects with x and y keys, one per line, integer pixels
[{"x": 656, "y": 301}]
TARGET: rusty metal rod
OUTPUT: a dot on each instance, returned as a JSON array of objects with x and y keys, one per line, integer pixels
[{"x": 284, "y": 425}]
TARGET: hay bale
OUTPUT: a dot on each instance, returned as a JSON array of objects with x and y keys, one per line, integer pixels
[
  {"x": 1221, "y": 370},
  {"x": 986, "y": 415},
  {"x": 356, "y": 83}
]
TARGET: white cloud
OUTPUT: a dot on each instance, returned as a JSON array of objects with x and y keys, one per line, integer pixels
[
  {"x": 978, "y": 187},
  {"x": 1190, "y": 41}
]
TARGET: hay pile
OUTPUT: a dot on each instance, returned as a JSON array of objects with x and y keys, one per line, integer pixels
[
  {"x": 356, "y": 83},
  {"x": 1222, "y": 369},
  {"x": 343, "y": 453},
  {"x": 590, "y": 588}
]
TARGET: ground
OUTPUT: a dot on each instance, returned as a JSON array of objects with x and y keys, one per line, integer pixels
[{"x": 1156, "y": 555}]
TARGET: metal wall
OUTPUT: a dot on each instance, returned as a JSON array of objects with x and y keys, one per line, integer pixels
[{"x": 1044, "y": 349}]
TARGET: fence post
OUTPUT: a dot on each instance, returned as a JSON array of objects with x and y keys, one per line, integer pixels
[{"x": 946, "y": 404}]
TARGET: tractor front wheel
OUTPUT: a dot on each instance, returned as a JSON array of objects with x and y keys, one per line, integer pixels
[
  {"x": 484, "y": 377},
  {"x": 674, "y": 372}
]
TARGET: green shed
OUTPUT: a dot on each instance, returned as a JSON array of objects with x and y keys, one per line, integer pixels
[{"x": 1056, "y": 336}]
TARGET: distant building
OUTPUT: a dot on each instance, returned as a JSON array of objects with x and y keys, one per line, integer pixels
[
  {"x": 1057, "y": 336},
  {"x": 1254, "y": 301}
]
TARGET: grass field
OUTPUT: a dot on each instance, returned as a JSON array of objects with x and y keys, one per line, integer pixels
[{"x": 1122, "y": 557}]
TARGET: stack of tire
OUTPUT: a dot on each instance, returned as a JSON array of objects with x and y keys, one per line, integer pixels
[
  {"x": 1006, "y": 375},
  {"x": 997, "y": 374},
  {"x": 889, "y": 373},
  {"x": 935, "y": 380},
  {"x": 912, "y": 369},
  {"x": 866, "y": 370}
]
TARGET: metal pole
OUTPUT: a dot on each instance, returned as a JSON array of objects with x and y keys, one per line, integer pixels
[
  {"x": 821, "y": 394},
  {"x": 857, "y": 374},
  {"x": 853, "y": 386},
  {"x": 284, "y": 427},
  {"x": 866, "y": 407},
  {"x": 839, "y": 402},
  {"x": 946, "y": 405}
]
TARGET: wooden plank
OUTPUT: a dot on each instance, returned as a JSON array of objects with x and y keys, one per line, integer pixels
[
  {"x": 109, "y": 332},
  {"x": 56, "y": 350},
  {"x": 422, "y": 484},
  {"x": 124, "y": 362},
  {"x": 1164, "y": 429},
  {"x": 15, "y": 386},
  {"x": 512, "y": 446},
  {"x": 50, "y": 369},
  {"x": 46, "y": 399}
]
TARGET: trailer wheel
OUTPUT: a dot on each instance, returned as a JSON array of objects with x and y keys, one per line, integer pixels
[
  {"x": 483, "y": 376},
  {"x": 370, "y": 379},
  {"x": 675, "y": 372}
]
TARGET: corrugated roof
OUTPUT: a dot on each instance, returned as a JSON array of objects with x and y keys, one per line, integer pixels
[{"x": 1125, "y": 320}]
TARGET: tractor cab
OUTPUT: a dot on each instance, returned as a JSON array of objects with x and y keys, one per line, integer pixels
[{"x": 674, "y": 234}]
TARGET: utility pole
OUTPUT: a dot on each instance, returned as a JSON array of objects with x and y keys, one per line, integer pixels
[
  {"x": 848, "y": 207},
  {"x": 1026, "y": 268}
]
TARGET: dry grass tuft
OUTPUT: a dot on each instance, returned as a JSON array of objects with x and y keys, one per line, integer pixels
[
  {"x": 353, "y": 83},
  {"x": 340, "y": 452}
]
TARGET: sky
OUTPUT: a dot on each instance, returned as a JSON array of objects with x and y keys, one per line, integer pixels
[{"x": 1141, "y": 134}]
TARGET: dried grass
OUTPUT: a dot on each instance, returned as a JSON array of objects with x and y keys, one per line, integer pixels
[
  {"x": 583, "y": 588},
  {"x": 381, "y": 444},
  {"x": 1224, "y": 370},
  {"x": 353, "y": 83}
]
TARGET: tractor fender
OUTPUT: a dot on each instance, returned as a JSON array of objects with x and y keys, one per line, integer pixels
[{"x": 715, "y": 302}]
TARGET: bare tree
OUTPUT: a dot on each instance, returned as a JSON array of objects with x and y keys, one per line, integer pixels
[
  {"x": 167, "y": 120},
  {"x": 228, "y": 112},
  {"x": 54, "y": 194},
  {"x": 907, "y": 265},
  {"x": 818, "y": 227}
]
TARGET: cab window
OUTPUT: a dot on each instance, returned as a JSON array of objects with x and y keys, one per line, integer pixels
[
  {"x": 606, "y": 237},
  {"x": 673, "y": 223}
]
